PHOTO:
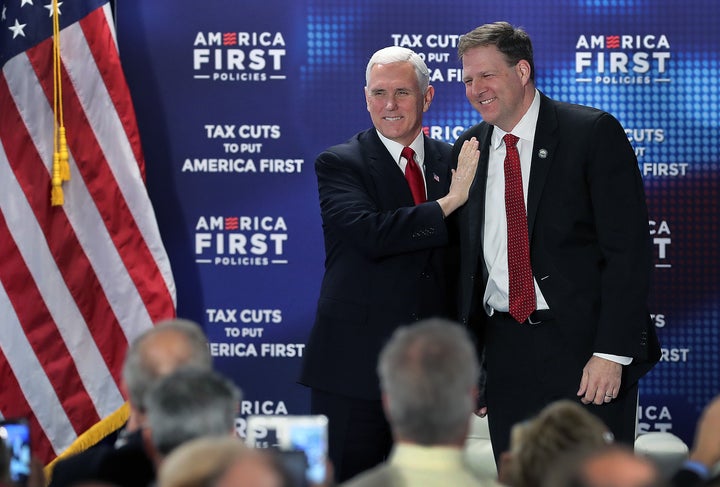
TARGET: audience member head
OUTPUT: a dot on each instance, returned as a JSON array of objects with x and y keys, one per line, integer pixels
[
  {"x": 159, "y": 351},
  {"x": 512, "y": 42},
  {"x": 429, "y": 374},
  {"x": 610, "y": 466},
  {"x": 562, "y": 426},
  {"x": 220, "y": 462},
  {"x": 186, "y": 404}
]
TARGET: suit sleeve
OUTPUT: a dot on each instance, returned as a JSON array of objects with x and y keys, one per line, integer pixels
[
  {"x": 350, "y": 208},
  {"x": 621, "y": 221}
]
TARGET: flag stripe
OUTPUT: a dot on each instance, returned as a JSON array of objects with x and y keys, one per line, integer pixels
[
  {"x": 100, "y": 41},
  {"x": 12, "y": 393},
  {"x": 44, "y": 339},
  {"x": 136, "y": 194},
  {"x": 80, "y": 209},
  {"x": 80, "y": 280},
  {"x": 118, "y": 150},
  {"x": 89, "y": 141},
  {"x": 91, "y": 365},
  {"x": 68, "y": 253}
]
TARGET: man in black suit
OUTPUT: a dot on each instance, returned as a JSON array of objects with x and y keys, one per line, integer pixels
[
  {"x": 386, "y": 261},
  {"x": 572, "y": 322}
]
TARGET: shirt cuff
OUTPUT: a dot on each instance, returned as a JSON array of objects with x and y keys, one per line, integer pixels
[{"x": 620, "y": 359}]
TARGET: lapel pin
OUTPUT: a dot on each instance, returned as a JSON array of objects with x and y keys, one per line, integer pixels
[
  {"x": 436, "y": 178},
  {"x": 542, "y": 153}
]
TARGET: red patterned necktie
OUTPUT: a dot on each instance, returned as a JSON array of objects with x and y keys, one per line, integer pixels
[
  {"x": 522, "y": 289},
  {"x": 414, "y": 176}
]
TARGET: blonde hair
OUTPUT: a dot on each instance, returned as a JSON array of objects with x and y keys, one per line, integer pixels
[
  {"x": 200, "y": 462},
  {"x": 561, "y": 427}
]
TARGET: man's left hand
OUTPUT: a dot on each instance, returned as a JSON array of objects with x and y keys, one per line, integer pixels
[{"x": 600, "y": 381}]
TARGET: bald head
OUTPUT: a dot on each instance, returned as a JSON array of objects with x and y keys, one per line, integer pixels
[
  {"x": 220, "y": 462},
  {"x": 256, "y": 469},
  {"x": 165, "y": 351},
  {"x": 159, "y": 352},
  {"x": 618, "y": 467},
  {"x": 613, "y": 465}
]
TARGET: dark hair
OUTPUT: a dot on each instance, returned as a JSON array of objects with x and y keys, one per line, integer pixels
[{"x": 513, "y": 42}]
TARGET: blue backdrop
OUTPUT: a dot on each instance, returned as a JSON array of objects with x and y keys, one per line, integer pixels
[{"x": 235, "y": 99}]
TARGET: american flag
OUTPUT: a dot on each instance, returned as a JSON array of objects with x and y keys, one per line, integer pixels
[{"x": 78, "y": 281}]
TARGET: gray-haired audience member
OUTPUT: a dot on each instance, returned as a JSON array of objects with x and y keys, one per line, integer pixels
[
  {"x": 187, "y": 404},
  {"x": 158, "y": 352},
  {"x": 170, "y": 344},
  {"x": 428, "y": 376}
]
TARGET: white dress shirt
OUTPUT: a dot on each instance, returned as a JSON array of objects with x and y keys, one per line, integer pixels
[
  {"x": 395, "y": 149},
  {"x": 496, "y": 296},
  {"x": 495, "y": 229}
]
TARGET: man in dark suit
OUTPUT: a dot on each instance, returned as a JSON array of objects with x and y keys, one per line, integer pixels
[
  {"x": 556, "y": 288},
  {"x": 386, "y": 261}
]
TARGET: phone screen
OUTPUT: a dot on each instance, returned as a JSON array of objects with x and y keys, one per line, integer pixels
[
  {"x": 288, "y": 434},
  {"x": 16, "y": 435}
]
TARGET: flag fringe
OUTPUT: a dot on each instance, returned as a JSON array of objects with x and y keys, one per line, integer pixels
[{"x": 92, "y": 436}]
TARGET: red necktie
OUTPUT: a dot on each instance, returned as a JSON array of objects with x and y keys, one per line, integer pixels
[
  {"x": 414, "y": 176},
  {"x": 522, "y": 288}
]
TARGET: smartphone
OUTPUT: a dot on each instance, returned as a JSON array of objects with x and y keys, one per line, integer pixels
[
  {"x": 16, "y": 436},
  {"x": 300, "y": 440}
]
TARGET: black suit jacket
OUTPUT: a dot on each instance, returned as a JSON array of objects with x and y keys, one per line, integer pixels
[
  {"x": 386, "y": 260},
  {"x": 590, "y": 249},
  {"x": 126, "y": 466}
]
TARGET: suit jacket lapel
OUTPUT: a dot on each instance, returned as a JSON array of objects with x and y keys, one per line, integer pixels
[
  {"x": 390, "y": 181},
  {"x": 436, "y": 172},
  {"x": 475, "y": 206},
  {"x": 546, "y": 140}
]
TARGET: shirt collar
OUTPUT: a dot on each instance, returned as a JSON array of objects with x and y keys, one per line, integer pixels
[
  {"x": 428, "y": 456},
  {"x": 525, "y": 128},
  {"x": 395, "y": 148}
]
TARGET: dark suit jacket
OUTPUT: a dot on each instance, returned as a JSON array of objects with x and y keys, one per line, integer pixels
[
  {"x": 126, "y": 466},
  {"x": 385, "y": 262},
  {"x": 686, "y": 478},
  {"x": 589, "y": 241}
]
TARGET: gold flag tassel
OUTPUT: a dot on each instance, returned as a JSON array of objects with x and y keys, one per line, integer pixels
[{"x": 61, "y": 166}]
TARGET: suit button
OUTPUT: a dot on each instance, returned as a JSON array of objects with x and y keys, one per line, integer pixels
[
  {"x": 414, "y": 317},
  {"x": 464, "y": 321}
]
